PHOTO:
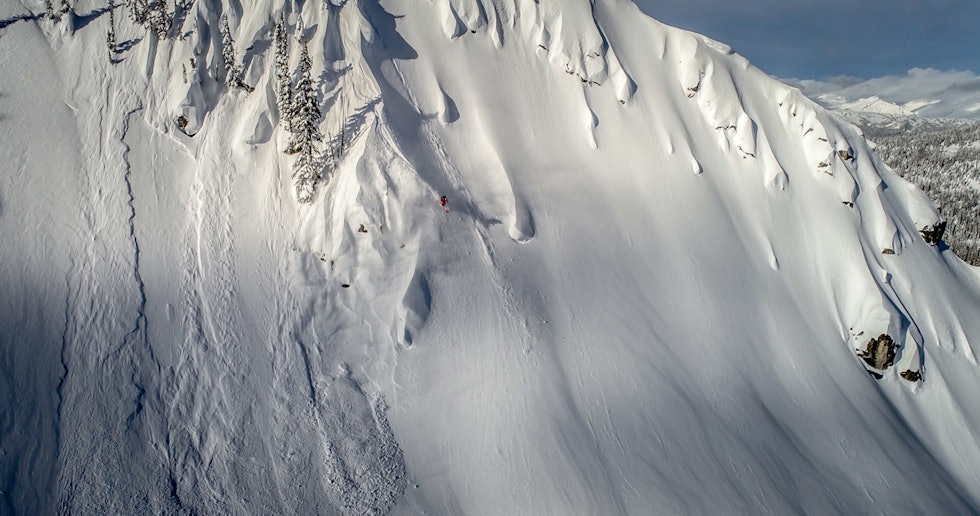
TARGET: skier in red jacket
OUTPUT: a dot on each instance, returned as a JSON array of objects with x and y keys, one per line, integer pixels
[{"x": 442, "y": 202}]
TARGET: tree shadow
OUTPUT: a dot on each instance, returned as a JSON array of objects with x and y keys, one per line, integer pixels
[
  {"x": 307, "y": 33},
  {"x": 82, "y": 20},
  {"x": 351, "y": 129},
  {"x": 357, "y": 119},
  {"x": 181, "y": 9},
  {"x": 328, "y": 78},
  {"x": 6, "y": 22},
  {"x": 333, "y": 44},
  {"x": 258, "y": 47},
  {"x": 127, "y": 45}
]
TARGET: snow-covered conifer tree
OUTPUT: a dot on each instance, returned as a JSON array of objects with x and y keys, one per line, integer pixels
[
  {"x": 110, "y": 38},
  {"x": 137, "y": 10},
  {"x": 284, "y": 85},
  {"x": 233, "y": 73},
  {"x": 158, "y": 20},
  {"x": 305, "y": 116}
]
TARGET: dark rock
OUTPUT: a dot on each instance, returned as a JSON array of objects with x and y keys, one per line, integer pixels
[
  {"x": 182, "y": 123},
  {"x": 887, "y": 251},
  {"x": 912, "y": 376},
  {"x": 875, "y": 375},
  {"x": 879, "y": 353}
]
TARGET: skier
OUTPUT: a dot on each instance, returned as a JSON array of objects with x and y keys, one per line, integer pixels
[{"x": 442, "y": 202}]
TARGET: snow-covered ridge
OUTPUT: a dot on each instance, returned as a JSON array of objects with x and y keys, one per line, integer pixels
[{"x": 660, "y": 283}]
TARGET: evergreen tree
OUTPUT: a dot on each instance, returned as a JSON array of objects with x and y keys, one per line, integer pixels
[
  {"x": 110, "y": 38},
  {"x": 138, "y": 11},
  {"x": 158, "y": 20},
  {"x": 284, "y": 85},
  {"x": 233, "y": 73},
  {"x": 305, "y": 116}
]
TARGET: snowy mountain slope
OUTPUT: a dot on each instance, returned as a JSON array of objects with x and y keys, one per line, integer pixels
[
  {"x": 646, "y": 296},
  {"x": 945, "y": 163},
  {"x": 924, "y": 125}
]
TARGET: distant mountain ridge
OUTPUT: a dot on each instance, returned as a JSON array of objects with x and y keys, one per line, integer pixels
[{"x": 925, "y": 98}]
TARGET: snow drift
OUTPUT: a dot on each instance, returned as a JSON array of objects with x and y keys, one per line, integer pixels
[{"x": 660, "y": 287}]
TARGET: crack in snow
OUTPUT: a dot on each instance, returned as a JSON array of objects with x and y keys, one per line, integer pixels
[
  {"x": 140, "y": 324},
  {"x": 59, "y": 389}
]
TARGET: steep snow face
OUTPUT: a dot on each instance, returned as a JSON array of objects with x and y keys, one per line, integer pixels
[{"x": 647, "y": 293}]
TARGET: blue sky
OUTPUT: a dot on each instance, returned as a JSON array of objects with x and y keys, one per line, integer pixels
[{"x": 826, "y": 38}]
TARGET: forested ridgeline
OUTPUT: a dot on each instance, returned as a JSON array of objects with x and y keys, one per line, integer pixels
[{"x": 945, "y": 163}]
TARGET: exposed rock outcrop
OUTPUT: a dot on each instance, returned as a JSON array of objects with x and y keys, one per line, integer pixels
[
  {"x": 879, "y": 353},
  {"x": 912, "y": 376}
]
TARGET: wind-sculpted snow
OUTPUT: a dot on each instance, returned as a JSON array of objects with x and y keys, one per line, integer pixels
[{"x": 661, "y": 282}]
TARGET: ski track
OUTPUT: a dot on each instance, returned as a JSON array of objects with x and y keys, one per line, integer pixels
[{"x": 211, "y": 363}]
